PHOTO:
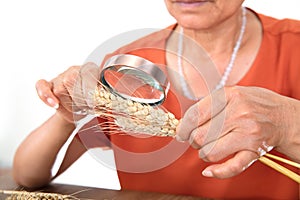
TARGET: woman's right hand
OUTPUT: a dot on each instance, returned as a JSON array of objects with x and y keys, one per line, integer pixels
[{"x": 69, "y": 91}]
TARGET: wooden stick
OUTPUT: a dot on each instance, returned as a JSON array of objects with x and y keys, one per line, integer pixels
[
  {"x": 286, "y": 161},
  {"x": 280, "y": 169}
]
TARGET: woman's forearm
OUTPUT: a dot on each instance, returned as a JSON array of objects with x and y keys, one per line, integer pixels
[{"x": 36, "y": 155}]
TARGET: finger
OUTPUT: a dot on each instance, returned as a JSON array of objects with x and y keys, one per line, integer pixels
[
  {"x": 44, "y": 90},
  {"x": 232, "y": 140},
  {"x": 200, "y": 113},
  {"x": 210, "y": 131},
  {"x": 225, "y": 146},
  {"x": 63, "y": 87},
  {"x": 232, "y": 167}
]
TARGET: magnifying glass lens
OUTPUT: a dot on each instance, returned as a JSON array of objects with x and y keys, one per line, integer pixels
[{"x": 133, "y": 83}]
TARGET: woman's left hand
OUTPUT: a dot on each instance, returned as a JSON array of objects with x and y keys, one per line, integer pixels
[{"x": 241, "y": 123}]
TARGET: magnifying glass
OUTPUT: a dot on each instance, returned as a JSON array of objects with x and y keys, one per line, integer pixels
[{"x": 135, "y": 78}]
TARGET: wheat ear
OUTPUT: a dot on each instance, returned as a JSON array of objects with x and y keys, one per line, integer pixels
[
  {"x": 24, "y": 195},
  {"x": 132, "y": 116}
]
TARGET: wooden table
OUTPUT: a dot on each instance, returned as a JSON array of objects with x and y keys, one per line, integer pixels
[{"x": 7, "y": 183}]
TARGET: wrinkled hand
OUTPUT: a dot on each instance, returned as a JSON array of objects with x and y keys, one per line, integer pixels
[
  {"x": 69, "y": 91},
  {"x": 239, "y": 124}
]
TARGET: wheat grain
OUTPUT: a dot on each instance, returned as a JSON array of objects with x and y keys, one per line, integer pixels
[
  {"x": 24, "y": 195},
  {"x": 132, "y": 116}
]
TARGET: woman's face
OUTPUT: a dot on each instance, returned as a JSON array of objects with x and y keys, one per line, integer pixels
[{"x": 202, "y": 14}]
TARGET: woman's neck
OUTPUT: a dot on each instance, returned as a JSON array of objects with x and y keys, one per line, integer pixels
[{"x": 220, "y": 39}]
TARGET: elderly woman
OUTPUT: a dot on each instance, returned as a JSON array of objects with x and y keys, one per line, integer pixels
[{"x": 227, "y": 121}]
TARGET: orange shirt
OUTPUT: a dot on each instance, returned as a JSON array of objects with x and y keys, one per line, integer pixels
[{"x": 165, "y": 165}]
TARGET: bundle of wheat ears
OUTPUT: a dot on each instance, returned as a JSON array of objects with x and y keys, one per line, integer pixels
[{"x": 133, "y": 117}]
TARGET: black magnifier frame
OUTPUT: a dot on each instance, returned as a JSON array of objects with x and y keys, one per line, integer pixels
[{"x": 139, "y": 70}]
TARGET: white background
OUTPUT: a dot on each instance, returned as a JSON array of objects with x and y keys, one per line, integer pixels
[{"x": 39, "y": 39}]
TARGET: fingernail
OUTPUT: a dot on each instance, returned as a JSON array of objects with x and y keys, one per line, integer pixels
[
  {"x": 207, "y": 173},
  {"x": 52, "y": 103}
]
